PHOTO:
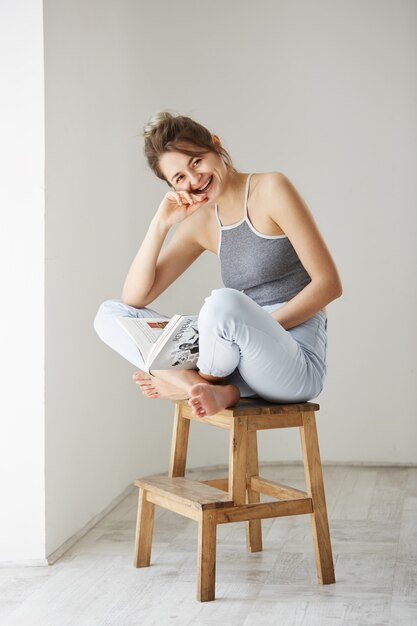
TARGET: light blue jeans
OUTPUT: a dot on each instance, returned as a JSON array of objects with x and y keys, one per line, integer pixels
[{"x": 241, "y": 341}]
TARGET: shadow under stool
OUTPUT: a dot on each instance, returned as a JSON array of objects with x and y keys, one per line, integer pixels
[{"x": 237, "y": 498}]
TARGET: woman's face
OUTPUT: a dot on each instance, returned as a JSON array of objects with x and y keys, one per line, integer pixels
[{"x": 192, "y": 173}]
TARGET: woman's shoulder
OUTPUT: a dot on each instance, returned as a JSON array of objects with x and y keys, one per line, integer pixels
[
  {"x": 266, "y": 181},
  {"x": 269, "y": 187},
  {"x": 270, "y": 194}
]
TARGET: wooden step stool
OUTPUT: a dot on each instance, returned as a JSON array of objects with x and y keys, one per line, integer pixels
[{"x": 237, "y": 499}]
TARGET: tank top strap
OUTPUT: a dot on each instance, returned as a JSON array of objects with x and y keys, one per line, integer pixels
[
  {"x": 216, "y": 211},
  {"x": 247, "y": 196},
  {"x": 245, "y": 207}
]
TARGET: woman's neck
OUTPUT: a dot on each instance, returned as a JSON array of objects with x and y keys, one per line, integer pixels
[{"x": 232, "y": 193}]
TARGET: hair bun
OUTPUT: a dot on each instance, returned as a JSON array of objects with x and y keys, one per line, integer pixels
[{"x": 156, "y": 121}]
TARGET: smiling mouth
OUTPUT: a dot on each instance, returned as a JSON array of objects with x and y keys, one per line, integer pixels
[{"x": 205, "y": 187}]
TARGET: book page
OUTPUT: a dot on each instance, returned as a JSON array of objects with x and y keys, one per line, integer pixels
[
  {"x": 178, "y": 346},
  {"x": 144, "y": 331},
  {"x": 151, "y": 329}
]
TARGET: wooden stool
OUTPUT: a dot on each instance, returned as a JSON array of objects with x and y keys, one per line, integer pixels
[{"x": 237, "y": 499}]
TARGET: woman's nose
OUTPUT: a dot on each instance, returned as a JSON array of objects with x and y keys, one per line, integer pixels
[{"x": 194, "y": 180}]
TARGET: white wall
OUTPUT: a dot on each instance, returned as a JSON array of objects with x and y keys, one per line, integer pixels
[
  {"x": 101, "y": 432},
  {"x": 320, "y": 91},
  {"x": 325, "y": 92},
  {"x": 95, "y": 429},
  {"x": 22, "y": 466}
]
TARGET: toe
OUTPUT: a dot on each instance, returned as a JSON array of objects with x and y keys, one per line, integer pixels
[
  {"x": 140, "y": 375},
  {"x": 145, "y": 385}
]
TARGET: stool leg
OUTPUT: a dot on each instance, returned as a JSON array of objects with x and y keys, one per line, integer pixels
[
  {"x": 206, "y": 562},
  {"x": 253, "y": 527},
  {"x": 237, "y": 460},
  {"x": 315, "y": 489},
  {"x": 144, "y": 530},
  {"x": 179, "y": 444}
]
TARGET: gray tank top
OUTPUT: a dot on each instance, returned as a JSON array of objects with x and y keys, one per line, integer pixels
[{"x": 265, "y": 267}]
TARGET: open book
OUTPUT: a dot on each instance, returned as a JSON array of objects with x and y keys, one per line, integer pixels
[{"x": 164, "y": 343}]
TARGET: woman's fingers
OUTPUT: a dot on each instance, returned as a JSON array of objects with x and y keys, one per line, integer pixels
[
  {"x": 181, "y": 204},
  {"x": 201, "y": 200},
  {"x": 187, "y": 196},
  {"x": 190, "y": 199}
]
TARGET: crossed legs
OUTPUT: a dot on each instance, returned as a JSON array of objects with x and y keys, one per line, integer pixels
[{"x": 243, "y": 352}]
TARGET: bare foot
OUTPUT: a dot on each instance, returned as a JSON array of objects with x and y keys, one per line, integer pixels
[
  {"x": 153, "y": 387},
  {"x": 208, "y": 399}
]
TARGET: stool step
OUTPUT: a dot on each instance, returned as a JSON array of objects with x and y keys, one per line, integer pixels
[{"x": 189, "y": 493}]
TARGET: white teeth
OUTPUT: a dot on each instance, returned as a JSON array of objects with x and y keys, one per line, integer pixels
[{"x": 206, "y": 185}]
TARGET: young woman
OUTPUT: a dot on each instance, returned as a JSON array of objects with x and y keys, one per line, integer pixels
[{"x": 265, "y": 333}]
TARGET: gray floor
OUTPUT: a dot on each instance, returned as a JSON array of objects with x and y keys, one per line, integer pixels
[{"x": 373, "y": 520}]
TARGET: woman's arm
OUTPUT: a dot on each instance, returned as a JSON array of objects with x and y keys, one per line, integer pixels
[
  {"x": 141, "y": 275},
  {"x": 291, "y": 214},
  {"x": 153, "y": 270}
]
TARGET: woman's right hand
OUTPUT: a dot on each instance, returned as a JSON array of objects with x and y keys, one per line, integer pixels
[{"x": 177, "y": 205}]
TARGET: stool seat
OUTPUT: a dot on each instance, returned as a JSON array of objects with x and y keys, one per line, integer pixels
[
  {"x": 257, "y": 406},
  {"x": 237, "y": 497},
  {"x": 259, "y": 413}
]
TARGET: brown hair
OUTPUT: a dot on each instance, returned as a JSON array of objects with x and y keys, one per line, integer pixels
[{"x": 166, "y": 132}]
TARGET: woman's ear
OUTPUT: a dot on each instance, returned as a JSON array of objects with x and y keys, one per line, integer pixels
[{"x": 216, "y": 140}]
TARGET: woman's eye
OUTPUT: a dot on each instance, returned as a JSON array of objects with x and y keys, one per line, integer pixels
[{"x": 179, "y": 177}]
